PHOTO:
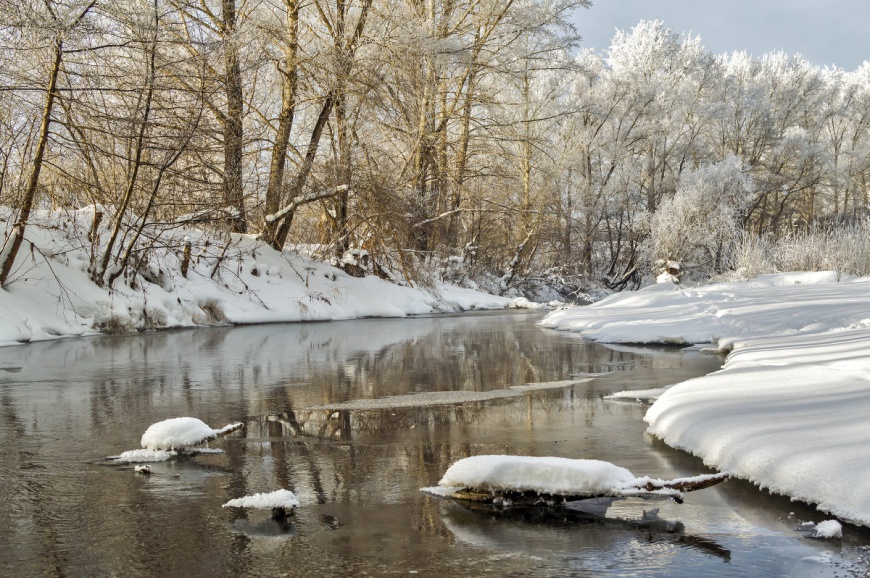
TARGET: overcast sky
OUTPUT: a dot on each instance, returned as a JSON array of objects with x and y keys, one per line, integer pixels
[{"x": 825, "y": 32}]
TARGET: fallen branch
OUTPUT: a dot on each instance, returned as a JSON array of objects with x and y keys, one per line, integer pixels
[
  {"x": 304, "y": 200},
  {"x": 671, "y": 489},
  {"x": 449, "y": 213}
]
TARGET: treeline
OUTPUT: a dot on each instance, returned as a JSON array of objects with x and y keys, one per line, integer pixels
[{"x": 464, "y": 137}]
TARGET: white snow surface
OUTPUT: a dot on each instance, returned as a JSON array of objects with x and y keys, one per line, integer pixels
[
  {"x": 789, "y": 408},
  {"x": 277, "y": 499},
  {"x": 134, "y": 456},
  {"x": 234, "y": 280},
  {"x": 829, "y": 529},
  {"x": 179, "y": 433},
  {"x": 544, "y": 475}
]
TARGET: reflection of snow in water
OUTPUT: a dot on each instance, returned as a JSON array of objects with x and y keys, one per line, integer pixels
[
  {"x": 113, "y": 388},
  {"x": 592, "y": 545},
  {"x": 176, "y": 479},
  {"x": 264, "y": 528}
]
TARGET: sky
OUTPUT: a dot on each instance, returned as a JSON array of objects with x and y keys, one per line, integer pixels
[{"x": 825, "y": 32}]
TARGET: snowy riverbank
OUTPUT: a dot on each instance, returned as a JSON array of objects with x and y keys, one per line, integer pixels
[
  {"x": 237, "y": 280},
  {"x": 789, "y": 408}
]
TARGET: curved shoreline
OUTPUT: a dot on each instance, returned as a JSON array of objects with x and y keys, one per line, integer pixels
[{"x": 788, "y": 409}]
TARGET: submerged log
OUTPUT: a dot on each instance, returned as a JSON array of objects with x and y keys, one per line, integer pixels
[
  {"x": 688, "y": 484},
  {"x": 667, "y": 489}
]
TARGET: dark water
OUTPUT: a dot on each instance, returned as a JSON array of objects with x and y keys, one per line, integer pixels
[{"x": 66, "y": 405}]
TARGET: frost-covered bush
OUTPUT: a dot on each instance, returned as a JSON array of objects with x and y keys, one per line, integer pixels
[
  {"x": 699, "y": 226},
  {"x": 752, "y": 256},
  {"x": 843, "y": 248}
]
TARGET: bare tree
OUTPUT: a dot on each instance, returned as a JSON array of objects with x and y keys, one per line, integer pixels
[{"x": 62, "y": 24}]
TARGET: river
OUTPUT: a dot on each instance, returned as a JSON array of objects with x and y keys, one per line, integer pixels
[{"x": 357, "y": 467}]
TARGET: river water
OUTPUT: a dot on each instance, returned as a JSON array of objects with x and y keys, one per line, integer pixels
[{"x": 357, "y": 467}]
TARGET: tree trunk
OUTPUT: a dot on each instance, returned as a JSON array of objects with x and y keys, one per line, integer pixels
[
  {"x": 276, "y": 231},
  {"x": 99, "y": 272},
  {"x": 233, "y": 191},
  {"x": 16, "y": 235},
  {"x": 341, "y": 200},
  {"x": 290, "y": 79}
]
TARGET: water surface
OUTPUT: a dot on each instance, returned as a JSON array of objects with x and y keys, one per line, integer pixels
[{"x": 357, "y": 469}]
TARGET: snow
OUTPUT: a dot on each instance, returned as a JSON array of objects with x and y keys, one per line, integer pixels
[
  {"x": 277, "y": 499},
  {"x": 523, "y": 303},
  {"x": 637, "y": 394},
  {"x": 554, "y": 476},
  {"x": 544, "y": 475},
  {"x": 829, "y": 529},
  {"x": 231, "y": 280},
  {"x": 788, "y": 410},
  {"x": 133, "y": 456},
  {"x": 179, "y": 433}
]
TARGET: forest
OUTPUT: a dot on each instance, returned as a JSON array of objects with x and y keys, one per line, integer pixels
[{"x": 472, "y": 141}]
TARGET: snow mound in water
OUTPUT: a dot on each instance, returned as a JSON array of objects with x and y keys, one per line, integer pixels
[
  {"x": 133, "y": 456},
  {"x": 550, "y": 475},
  {"x": 276, "y": 499},
  {"x": 180, "y": 433}
]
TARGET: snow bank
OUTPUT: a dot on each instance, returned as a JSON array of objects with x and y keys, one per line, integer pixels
[
  {"x": 724, "y": 313},
  {"x": 789, "y": 408},
  {"x": 235, "y": 280},
  {"x": 179, "y": 433},
  {"x": 265, "y": 501}
]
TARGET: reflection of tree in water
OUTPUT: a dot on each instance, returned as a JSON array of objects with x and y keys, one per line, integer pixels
[
  {"x": 385, "y": 425},
  {"x": 393, "y": 423},
  {"x": 446, "y": 361},
  {"x": 95, "y": 397}
]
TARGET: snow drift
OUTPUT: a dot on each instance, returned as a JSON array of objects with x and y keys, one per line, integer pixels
[{"x": 789, "y": 408}]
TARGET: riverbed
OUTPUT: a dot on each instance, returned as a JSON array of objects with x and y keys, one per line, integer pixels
[{"x": 355, "y": 417}]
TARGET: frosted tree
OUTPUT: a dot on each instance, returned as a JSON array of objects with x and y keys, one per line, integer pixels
[
  {"x": 843, "y": 131},
  {"x": 699, "y": 224},
  {"x": 671, "y": 76}
]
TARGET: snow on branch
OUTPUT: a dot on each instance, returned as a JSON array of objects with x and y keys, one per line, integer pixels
[
  {"x": 208, "y": 215},
  {"x": 304, "y": 200},
  {"x": 447, "y": 214}
]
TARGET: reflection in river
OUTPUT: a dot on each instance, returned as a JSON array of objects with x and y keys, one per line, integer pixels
[{"x": 356, "y": 466}]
